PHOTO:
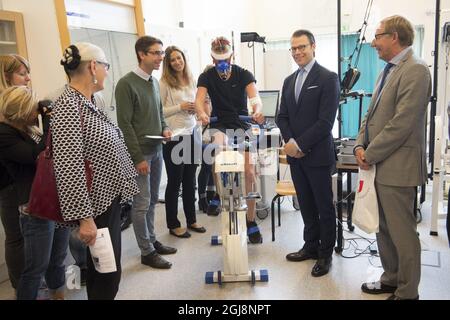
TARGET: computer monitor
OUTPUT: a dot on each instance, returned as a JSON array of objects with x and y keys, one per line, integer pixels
[{"x": 269, "y": 100}]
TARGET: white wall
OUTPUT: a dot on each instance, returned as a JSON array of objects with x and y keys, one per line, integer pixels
[
  {"x": 278, "y": 19},
  {"x": 43, "y": 43},
  {"x": 247, "y": 58},
  {"x": 203, "y": 21},
  {"x": 91, "y": 14},
  {"x": 161, "y": 13}
]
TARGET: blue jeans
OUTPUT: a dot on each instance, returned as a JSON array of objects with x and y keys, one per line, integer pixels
[
  {"x": 45, "y": 251},
  {"x": 143, "y": 211}
]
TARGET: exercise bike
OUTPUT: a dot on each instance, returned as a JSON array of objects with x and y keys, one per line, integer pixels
[{"x": 229, "y": 172}]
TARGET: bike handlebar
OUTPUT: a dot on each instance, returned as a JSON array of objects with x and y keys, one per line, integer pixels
[{"x": 242, "y": 118}]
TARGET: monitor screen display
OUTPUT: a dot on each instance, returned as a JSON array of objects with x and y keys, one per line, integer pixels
[{"x": 270, "y": 103}]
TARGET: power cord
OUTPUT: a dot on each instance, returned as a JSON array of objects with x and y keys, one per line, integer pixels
[{"x": 354, "y": 245}]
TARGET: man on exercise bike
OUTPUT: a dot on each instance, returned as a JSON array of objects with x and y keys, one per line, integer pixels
[{"x": 228, "y": 87}]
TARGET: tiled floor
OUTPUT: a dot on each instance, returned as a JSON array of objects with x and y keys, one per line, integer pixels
[{"x": 287, "y": 280}]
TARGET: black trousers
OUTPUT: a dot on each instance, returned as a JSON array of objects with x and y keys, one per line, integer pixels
[
  {"x": 315, "y": 197},
  {"x": 182, "y": 174},
  {"x": 14, "y": 251},
  {"x": 104, "y": 286},
  {"x": 448, "y": 217}
]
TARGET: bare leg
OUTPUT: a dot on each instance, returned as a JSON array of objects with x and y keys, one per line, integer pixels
[
  {"x": 250, "y": 182},
  {"x": 220, "y": 139},
  {"x": 253, "y": 232}
]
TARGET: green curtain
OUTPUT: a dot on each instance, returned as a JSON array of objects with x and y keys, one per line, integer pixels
[{"x": 370, "y": 66}]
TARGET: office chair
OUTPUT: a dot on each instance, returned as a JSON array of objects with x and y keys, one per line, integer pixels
[{"x": 283, "y": 188}]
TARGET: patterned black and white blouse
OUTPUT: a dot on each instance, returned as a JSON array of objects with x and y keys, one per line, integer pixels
[{"x": 81, "y": 131}]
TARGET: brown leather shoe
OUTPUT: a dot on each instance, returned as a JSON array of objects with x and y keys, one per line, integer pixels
[
  {"x": 301, "y": 255},
  {"x": 377, "y": 288}
]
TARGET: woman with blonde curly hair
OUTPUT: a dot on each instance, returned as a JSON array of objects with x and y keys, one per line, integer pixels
[
  {"x": 14, "y": 71},
  {"x": 45, "y": 246}
]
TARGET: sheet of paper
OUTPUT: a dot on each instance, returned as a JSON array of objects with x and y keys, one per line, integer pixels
[
  {"x": 102, "y": 252},
  {"x": 178, "y": 132}
]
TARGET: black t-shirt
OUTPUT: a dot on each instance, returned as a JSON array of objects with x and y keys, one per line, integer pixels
[{"x": 228, "y": 98}]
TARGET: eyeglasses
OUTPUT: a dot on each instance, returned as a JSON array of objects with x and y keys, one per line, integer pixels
[
  {"x": 300, "y": 48},
  {"x": 377, "y": 36},
  {"x": 157, "y": 53},
  {"x": 106, "y": 64}
]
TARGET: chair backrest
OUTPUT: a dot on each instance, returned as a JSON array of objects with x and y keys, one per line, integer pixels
[{"x": 282, "y": 156}]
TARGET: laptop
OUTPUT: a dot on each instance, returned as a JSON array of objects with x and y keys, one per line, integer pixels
[{"x": 270, "y": 100}]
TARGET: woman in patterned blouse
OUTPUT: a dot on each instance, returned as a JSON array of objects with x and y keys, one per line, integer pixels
[{"x": 82, "y": 132}]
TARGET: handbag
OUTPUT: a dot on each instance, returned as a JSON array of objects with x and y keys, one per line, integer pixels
[
  {"x": 365, "y": 213},
  {"x": 44, "y": 201}
]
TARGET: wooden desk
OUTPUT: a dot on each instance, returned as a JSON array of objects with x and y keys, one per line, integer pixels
[{"x": 348, "y": 169}]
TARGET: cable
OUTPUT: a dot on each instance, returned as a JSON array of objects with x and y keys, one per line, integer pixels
[
  {"x": 363, "y": 31},
  {"x": 353, "y": 244},
  {"x": 345, "y": 199},
  {"x": 361, "y": 39},
  {"x": 352, "y": 74}
]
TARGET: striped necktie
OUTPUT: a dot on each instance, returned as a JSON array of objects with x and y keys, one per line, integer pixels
[
  {"x": 299, "y": 83},
  {"x": 387, "y": 67}
]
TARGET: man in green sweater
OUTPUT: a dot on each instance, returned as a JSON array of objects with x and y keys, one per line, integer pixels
[{"x": 139, "y": 113}]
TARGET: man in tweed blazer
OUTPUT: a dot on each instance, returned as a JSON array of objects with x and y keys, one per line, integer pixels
[{"x": 392, "y": 137}]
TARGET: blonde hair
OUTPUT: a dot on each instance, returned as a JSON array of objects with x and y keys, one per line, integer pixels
[
  {"x": 402, "y": 27},
  {"x": 8, "y": 65},
  {"x": 17, "y": 103},
  {"x": 169, "y": 74}
]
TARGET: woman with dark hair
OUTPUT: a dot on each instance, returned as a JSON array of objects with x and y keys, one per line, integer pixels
[
  {"x": 82, "y": 132},
  {"x": 182, "y": 154}
]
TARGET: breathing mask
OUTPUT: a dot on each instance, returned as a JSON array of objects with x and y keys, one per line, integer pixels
[{"x": 223, "y": 67}]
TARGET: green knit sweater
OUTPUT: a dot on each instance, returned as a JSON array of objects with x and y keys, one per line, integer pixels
[{"x": 139, "y": 113}]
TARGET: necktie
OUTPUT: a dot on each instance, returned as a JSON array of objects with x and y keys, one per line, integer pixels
[
  {"x": 299, "y": 83},
  {"x": 387, "y": 67}
]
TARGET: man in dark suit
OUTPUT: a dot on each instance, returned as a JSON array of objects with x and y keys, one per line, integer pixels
[{"x": 309, "y": 102}]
